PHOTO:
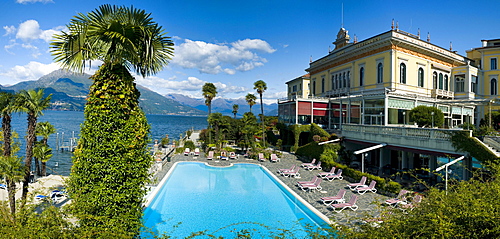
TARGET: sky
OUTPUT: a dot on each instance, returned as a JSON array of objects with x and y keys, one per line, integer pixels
[{"x": 235, "y": 43}]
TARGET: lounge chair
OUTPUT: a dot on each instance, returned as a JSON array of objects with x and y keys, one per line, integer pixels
[
  {"x": 399, "y": 199},
  {"x": 310, "y": 187},
  {"x": 304, "y": 165},
  {"x": 351, "y": 204},
  {"x": 313, "y": 181},
  {"x": 223, "y": 155},
  {"x": 55, "y": 196},
  {"x": 232, "y": 155},
  {"x": 3, "y": 186},
  {"x": 196, "y": 152},
  {"x": 274, "y": 158},
  {"x": 364, "y": 189},
  {"x": 312, "y": 167},
  {"x": 261, "y": 157},
  {"x": 410, "y": 206},
  {"x": 338, "y": 175},
  {"x": 324, "y": 174},
  {"x": 210, "y": 155},
  {"x": 286, "y": 169},
  {"x": 361, "y": 183},
  {"x": 187, "y": 151},
  {"x": 339, "y": 198},
  {"x": 294, "y": 173}
]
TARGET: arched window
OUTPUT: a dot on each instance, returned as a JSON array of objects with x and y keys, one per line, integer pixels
[
  {"x": 420, "y": 77},
  {"x": 445, "y": 82},
  {"x": 361, "y": 75},
  {"x": 402, "y": 73},
  {"x": 434, "y": 80},
  {"x": 380, "y": 73},
  {"x": 493, "y": 86},
  {"x": 440, "y": 81}
]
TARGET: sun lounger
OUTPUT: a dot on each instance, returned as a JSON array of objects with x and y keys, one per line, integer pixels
[
  {"x": 324, "y": 174},
  {"x": 210, "y": 155},
  {"x": 55, "y": 196},
  {"x": 399, "y": 199},
  {"x": 286, "y": 169},
  {"x": 364, "y": 189},
  {"x": 313, "y": 181},
  {"x": 304, "y": 165},
  {"x": 338, "y": 175},
  {"x": 294, "y": 173},
  {"x": 232, "y": 155},
  {"x": 351, "y": 204},
  {"x": 223, "y": 155},
  {"x": 339, "y": 198},
  {"x": 311, "y": 187},
  {"x": 410, "y": 206},
  {"x": 3, "y": 186},
  {"x": 274, "y": 158},
  {"x": 196, "y": 152},
  {"x": 187, "y": 151},
  {"x": 361, "y": 183},
  {"x": 261, "y": 157},
  {"x": 312, "y": 167}
]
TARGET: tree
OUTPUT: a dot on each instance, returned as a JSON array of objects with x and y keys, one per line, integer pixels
[
  {"x": 209, "y": 92},
  {"x": 12, "y": 170},
  {"x": 235, "y": 109},
  {"x": 261, "y": 87},
  {"x": 111, "y": 161},
  {"x": 427, "y": 116},
  {"x": 43, "y": 153},
  {"x": 250, "y": 99},
  {"x": 7, "y": 107},
  {"x": 44, "y": 129},
  {"x": 33, "y": 103}
]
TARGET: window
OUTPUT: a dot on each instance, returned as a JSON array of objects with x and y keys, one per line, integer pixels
[
  {"x": 300, "y": 86},
  {"x": 344, "y": 80},
  {"x": 314, "y": 88},
  {"x": 361, "y": 75},
  {"x": 445, "y": 82},
  {"x": 420, "y": 77},
  {"x": 294, "y": 88},
  {"x": 348, "y": 78},
  {"x": 474, "y": 84},
  {"x": 402, "y": 73},
  {"x": 493, "y": 63},
  {"x": 322, "y": 85},
  {"x": 380, "y": 73},
  {"x": 493, "y": 85},
  {"x": 434, "y": 80},
  {"x": 440, "y": 81},
  {"x": 333, "y": 82},
  {"x": 459, "y": 84}
]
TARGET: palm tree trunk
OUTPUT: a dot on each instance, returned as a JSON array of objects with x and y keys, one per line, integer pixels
[
  {"x": 37, "y": 167},
  {"x": 262, "y": 119},
  {"x": 30, "y": 141},
  {"x": 11, "y": 190},
  {"x": 44, "y": 168},
  {"x": 7, "y": 134}
]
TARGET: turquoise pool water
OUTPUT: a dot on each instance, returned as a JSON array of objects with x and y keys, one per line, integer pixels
[{"x": 223, "y": 201}]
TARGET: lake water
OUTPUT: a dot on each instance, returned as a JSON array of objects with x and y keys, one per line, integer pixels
[{"x": 67, "y": 124}]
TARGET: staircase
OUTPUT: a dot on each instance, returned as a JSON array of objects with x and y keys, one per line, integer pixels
[{"x": 492, "y": 143}]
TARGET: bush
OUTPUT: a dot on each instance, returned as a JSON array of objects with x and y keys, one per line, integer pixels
[{"x": 189, "y": 144}]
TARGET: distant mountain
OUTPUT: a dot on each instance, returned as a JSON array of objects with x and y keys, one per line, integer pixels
[
  {"x": 69, "y": 91},
  {"x": 224, "y": 106}
]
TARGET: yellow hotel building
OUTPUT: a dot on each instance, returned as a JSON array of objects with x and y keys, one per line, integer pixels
[{"x": 378, "y": 80}]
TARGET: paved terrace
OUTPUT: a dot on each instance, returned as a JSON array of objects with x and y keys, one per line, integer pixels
[{"x": 369, "y": 203}]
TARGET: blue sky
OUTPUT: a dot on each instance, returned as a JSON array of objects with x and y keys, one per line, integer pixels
[{"x": 235, "y": 43}]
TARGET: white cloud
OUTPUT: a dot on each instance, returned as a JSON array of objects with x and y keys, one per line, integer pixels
[
  {"x": 30, "y": 30},
  {"x": 32, "y": 71},
  {"x": 191, "y": 86},
  {"x": 221, "y": 58},
  {"x": 9, "y": 30},
  {"x": 33, "y": 1}
]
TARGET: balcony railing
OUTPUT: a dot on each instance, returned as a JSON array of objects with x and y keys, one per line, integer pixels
[{"x": 438, "y": 93}]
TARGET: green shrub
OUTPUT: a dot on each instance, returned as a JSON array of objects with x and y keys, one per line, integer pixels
[{"x": 189, "y": 144}]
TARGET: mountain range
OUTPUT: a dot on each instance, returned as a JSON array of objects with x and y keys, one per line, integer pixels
[{"x": 69, "y": 92}]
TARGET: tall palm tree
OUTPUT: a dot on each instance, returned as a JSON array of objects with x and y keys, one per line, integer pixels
[
  {"x": 235, "y": 109},
  {"x": 44, "y": 129},
  {"x": 7, "y": 107},
  {"x": 209, "y": 92},
  {"x": 115, "y": 130},
  {"x": 261, "y": 87},
  {"x": 33, "y": 103},
  {"x": 250, "y": 99},
  {"x": 12, "y": 170}
]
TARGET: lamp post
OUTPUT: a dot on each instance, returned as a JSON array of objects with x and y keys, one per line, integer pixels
[
  {"x": 432, "y": 114},
  {"x": 404, "y": 118},
  {"x": 381, "y": 119}
]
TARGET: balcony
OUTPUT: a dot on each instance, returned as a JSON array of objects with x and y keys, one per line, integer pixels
[{"x": 438, "y": 93}]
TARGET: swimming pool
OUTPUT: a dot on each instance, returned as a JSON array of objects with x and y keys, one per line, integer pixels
[{"x": 221, "y": 201}]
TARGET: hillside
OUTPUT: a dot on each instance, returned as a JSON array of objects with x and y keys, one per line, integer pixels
[{"x": 69, "y": 91}]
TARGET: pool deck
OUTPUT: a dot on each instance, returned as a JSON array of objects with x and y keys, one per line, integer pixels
[{"x": 369, "y": 203}]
